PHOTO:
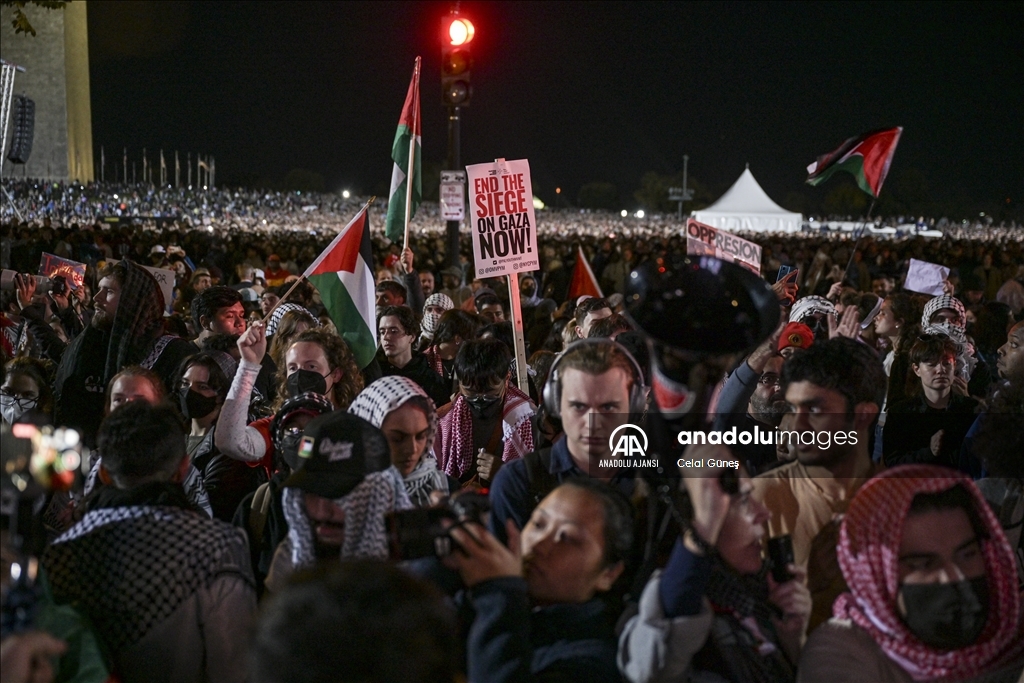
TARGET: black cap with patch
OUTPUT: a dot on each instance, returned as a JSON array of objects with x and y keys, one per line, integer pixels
[{"x": 336, "y": 453}]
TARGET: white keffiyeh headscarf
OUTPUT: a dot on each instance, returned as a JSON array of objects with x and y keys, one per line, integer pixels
[
  {"x": 430, "y": 318},
  {"x": 380, "y": 399},
  {"x": 941, "y": 302}
]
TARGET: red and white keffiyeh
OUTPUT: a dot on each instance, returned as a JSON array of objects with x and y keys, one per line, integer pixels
[
  {"x": 869, "y": 542},
  {"x": 454, "y": 446},
  {"x": 434, "y": 359}
]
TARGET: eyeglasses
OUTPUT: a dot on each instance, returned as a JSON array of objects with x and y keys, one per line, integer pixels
[{"x": 770, "y": 379}]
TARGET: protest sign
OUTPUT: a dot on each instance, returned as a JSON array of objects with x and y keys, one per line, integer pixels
[
  {"x": 453, "y": 195},
  {"x": 704, "y": 240},
  {"x": 51, "y": 265},
  {"x": 502, "y": 219},
  {"x": 164, "y": 278},
  {"x": 926, "y": 278}
]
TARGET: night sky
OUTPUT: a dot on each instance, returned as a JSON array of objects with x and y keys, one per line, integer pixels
[{"x": 585, "y": 91}]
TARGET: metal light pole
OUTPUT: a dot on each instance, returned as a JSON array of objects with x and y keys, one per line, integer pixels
[
  {"x": 454, "y": 163},
  {"x": 683, "y": 194}
]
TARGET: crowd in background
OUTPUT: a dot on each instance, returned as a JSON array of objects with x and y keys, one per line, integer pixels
[{"x": 237, "y": 451}]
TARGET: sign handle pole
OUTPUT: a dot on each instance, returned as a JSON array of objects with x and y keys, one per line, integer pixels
[{"x": 517, "y": 334}]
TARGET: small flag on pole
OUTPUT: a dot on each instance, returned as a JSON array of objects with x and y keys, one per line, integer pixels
[
  {"x": 583, "y": 280},
  {"x": 866, "y": 157},
  {"x": 407, "y": 154},
  {"x": 344, "y": 277}
]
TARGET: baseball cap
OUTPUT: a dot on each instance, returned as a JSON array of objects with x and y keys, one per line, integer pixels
[{"x": 336, "y": 452}]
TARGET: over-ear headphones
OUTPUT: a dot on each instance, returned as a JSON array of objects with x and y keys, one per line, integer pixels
[{"x": 552, "y": 393}]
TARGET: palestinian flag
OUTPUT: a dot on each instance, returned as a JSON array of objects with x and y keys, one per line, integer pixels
[
  {"x": 343, "y": 276},
  {"x": 408, "y": 129},
  {"x": 866, "y": 157},
  {"x": 583, "y": 280}
]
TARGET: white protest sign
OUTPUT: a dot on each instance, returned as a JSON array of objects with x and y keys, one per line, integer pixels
[
  {"x": 502, "y": 219},
  {"x": 453, "y": 195},
  {"x": 926, "y": 278},
  {"x": 704, "y": 240},
  {"x": 164, "y": 278}
]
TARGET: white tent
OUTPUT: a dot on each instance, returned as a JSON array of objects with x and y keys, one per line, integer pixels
[{"x": 745, "y": 206}]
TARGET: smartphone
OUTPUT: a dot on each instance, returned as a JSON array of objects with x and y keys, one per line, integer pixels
[
  {"x": 780, "y": 554},
  {"x": 784, "y": 271}
]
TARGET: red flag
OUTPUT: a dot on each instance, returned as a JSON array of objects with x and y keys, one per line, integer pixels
[
  {"x": 583, "y": 280},
  {"x": 866, "y": 157}
]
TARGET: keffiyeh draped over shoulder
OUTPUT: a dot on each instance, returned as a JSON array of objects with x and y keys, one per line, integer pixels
[
  {"x": 380, "y": 399},
  {"x": 868, "y": 551},
  {"x": 455, "y": 442}
]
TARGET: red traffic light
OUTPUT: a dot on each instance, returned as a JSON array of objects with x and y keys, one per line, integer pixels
[{"x": 460, "y": 31}]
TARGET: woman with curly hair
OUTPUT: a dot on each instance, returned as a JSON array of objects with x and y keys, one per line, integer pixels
[{"x": 315, "y": 361}]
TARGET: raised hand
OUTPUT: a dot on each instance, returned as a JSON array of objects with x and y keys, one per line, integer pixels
[{"x": 252, "y": 345}]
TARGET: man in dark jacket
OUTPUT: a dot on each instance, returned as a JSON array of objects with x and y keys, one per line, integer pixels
[
  {"x": 126, "y": 329},
  {"x": 168, "y": 590},
  {"x": 398, "y": 331}
]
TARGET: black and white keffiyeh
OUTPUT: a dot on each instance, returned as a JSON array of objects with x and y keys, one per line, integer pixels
[
  {"x": 380, "y": 399},
  {"x": 129, "y": 568},
  {"x": 429, "y": 322},
  {"x": 945, "y": 301},
  {"x": 364, "y": 507},
  {"x": 811, "y": 305},
  {"x": 275, "y": 317}
]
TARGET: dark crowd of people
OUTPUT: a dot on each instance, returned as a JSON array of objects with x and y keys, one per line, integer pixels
[{"x": 829, "y": 484}]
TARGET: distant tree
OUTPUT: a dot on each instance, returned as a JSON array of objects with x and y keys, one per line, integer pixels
[
  {"x": 846, "y": 199},
  {"x": 598, "y": 195},
  {"x": 653, "y": 192},
  {"x": 911, "y": 188},
  {"x": 304, "y": 180},
  {"x": 799, "y": 202},
  {"x": 20, "y": 21}
]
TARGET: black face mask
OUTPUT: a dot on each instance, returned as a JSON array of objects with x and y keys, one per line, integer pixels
[
  {"x": 485, "y": 407},
  {"x": 290, "y": 449},
  {"x": 946, "y": 616},
  {"x": 194, "y": 405},
  {"x": 528, "y": 292},
  {"x": 302, "y": 381}
]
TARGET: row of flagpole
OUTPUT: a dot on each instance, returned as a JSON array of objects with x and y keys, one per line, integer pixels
[{"x": 206, "y": 170}]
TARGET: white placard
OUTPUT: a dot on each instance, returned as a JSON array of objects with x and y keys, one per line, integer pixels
[
  {"x": 502, "y": 218},
  {"x": 926, "y": 278},
  {"x": 453, "y": 195},
  {"x": 164, "y": 278}
]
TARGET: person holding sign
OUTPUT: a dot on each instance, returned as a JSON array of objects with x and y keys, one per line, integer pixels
[{"x": 489, "y": 422}]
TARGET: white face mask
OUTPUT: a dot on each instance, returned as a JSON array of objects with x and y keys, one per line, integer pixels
[{"x": 13, "y": 407}]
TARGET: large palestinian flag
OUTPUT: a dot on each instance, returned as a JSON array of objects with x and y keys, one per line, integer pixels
[
  {"x": 866, "y": 157},
  {"x": 406, "y": 169},
  {"x": 343, "y": 276}
]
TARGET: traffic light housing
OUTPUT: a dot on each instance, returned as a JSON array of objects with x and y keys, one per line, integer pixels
[{"x": 456, "y": 60}]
